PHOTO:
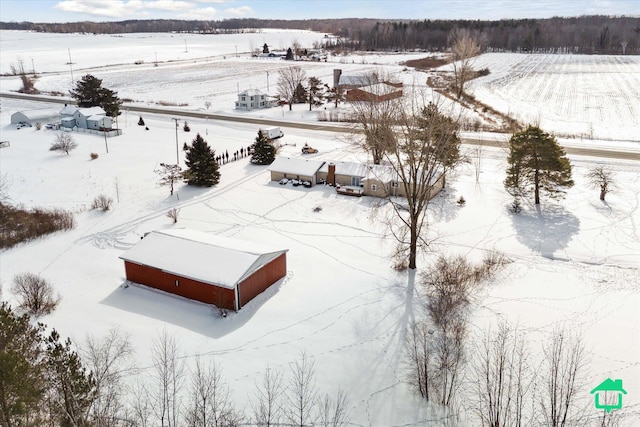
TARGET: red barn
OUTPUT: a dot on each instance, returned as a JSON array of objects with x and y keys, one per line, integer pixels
[{"x": 201, "y": 266}]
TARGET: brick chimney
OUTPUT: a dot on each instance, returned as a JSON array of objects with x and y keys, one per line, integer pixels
[{"x": 331, "y": 174}]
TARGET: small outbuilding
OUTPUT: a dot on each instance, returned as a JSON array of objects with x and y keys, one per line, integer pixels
[{"x": 216, "y": 270}]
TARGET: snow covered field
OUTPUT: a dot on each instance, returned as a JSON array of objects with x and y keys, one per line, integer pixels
[
  {"x": 587, "y": 96},
  {"x": 575, "y": 262}
]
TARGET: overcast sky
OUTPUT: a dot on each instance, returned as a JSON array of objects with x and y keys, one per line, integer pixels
[{"x": 116, "y": 10}]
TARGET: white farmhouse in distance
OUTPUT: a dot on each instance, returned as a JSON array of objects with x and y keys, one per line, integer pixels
[
  {"x": 253, "y": 99},
  {"x": 85, "y": 118}
]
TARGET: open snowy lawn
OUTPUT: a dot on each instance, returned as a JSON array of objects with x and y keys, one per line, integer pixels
[{"x": 575, "y": 263}]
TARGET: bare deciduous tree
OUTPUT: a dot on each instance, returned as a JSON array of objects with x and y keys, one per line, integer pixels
[
  {"x": 374, "y": 120},
  {"x": 268, "y": 410},
  {"x": 419, "y": 358},
  {"x": 302, "y": 395},
  {"x": 140, "y": 404},
  {"x": 465, "y": 48},
  {"x": 35, "y": 294},
  {"x": 334, "y": 413},
  {"x": 168, "y": 375},
  {"x": 602, "y": 177},
  {"x": 449, "y": 359},
  {"x": 108, "y": 359},
  {"x": 169, "y": 175},
  {"x": 502, "y": 378},
  {"x": 426, "y": 147},
  {"x": 64, "y": 142},
  {"x": 210, "y": 404},
  {"x": 561, "y": 379},
  {"x": 288, "y": 80}
]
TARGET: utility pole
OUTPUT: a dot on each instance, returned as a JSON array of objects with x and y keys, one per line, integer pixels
[
  {"x": 105, "y": 140},
  {"x": 177, "y": 158},
  {"x": 70, "y": 66}
]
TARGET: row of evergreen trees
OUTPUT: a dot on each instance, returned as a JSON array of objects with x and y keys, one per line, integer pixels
[{"x": 203, "y": 168}]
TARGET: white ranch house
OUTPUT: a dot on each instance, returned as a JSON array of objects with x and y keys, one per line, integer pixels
[{"x": 348, "y": 177}]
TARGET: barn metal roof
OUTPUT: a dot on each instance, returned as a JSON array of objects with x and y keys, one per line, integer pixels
[{"x": 201, "y": 256}]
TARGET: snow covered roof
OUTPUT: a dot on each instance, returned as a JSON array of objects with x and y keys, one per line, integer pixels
[
  {"x": 347, "y": 168},
  {"x": 39, "y": 114},
  {"x": 68, "y": 110},
  {"x": 201, "y": 256},
  {"x": 380, "y": 173},
  {"x": 354, "y": 80},
  {"x": 91, "y": 111},
  {"x": 253, "y": 92},
  {"x": 97, "y": 117},
  {"x": 295, "y": 166}
]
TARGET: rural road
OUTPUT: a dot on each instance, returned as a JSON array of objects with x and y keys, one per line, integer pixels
[{"x": 320, "y": 126}]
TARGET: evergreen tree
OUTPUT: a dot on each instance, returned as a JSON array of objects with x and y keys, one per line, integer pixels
[
  {"x": 202, "y": 167},
  {"x": 71, "y": 387},
  {"x": 87, "y": 91},
  {"x": 264, "y": 153},
  {"x": 289, "y": 56},
  {"x": 316, "y": 92},
  {"x": 90, "y": 93},
  {"x": 22, "y": 373},
  {"x": 299, "y": 94},
  {"x": 110, "y": 102},
  {"x": 536, "y": 161}
]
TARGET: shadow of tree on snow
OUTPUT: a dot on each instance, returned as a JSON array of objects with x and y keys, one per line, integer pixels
[{"x": 546, "y": 230}]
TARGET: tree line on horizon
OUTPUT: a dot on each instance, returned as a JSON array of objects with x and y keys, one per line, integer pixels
[{"x": 584, "y": 34}]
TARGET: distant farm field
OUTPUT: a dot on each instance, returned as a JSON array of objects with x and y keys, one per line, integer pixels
[{"x": 587, "y": 96}]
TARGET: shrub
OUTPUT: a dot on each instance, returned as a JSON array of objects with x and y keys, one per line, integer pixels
[
  {"x": 94, "y": 156},
  {"x": 64, "y": 142},
  {"x": 173, "y": 214},
  {"x": 38, "y": 125},
  {"x": 516, "y": 206},
  {"x": 140, "y": 121},
  {"x": 102, "y": 202},
  {"x": 20, "y": 225},
  {"x": 461, "y": 201},
  {"x": 186, "y": 127},
  {"x": 35, "y": 294}
]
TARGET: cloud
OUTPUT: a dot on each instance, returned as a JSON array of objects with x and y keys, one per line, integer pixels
[
  {"x": 239, "y": 11},
  {"x": 203, "y": 13},
  {"x": 133, "y": 8}
]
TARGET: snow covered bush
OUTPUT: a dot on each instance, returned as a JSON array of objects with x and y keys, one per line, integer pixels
[{"x": 102, "y": 202}]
